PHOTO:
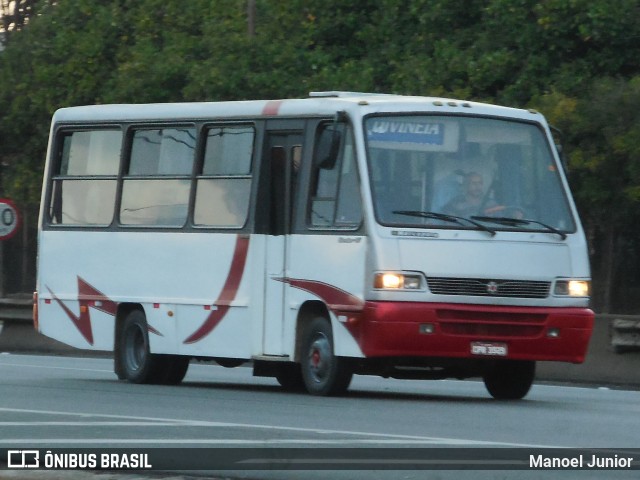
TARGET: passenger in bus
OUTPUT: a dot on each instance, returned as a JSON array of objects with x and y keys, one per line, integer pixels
[{"x": 473, "y": 201}]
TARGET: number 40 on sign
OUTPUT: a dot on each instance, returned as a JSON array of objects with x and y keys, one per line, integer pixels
[{"x": 9, "y": 219}]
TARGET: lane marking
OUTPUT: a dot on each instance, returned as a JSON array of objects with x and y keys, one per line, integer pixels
[
  {"x": 94, "y": 424},
  {"x": 234, "y": 441},
  {"x": 312, "y": 431},
  {"x": 362, "y": 389},
  {"x": 53, "y": 368}
]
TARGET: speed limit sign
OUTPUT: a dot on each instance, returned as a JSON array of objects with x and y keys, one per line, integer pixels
[{"x": 9, "y": 219}]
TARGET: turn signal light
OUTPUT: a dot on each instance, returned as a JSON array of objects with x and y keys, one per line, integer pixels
[{"x": 36, "y": 323}]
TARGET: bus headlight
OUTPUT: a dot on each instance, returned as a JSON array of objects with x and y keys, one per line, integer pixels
[
  {"x": 572, "y": 288},
  {"x": 397, "y": 281}
]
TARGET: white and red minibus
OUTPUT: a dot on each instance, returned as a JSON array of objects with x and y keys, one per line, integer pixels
[{"x": 317, "y": 238}]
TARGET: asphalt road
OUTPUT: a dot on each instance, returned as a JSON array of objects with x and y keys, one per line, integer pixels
[{"x": 52, "y": 402}]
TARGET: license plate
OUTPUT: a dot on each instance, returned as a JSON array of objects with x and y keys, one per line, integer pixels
[{"x": 489, "y": 349}]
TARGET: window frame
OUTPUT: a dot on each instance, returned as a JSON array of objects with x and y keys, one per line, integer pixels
[
  {"x": 125, "y": 165},
  {"x": 199, "y": 167},
  {"x": 313, "y": 178},
  {"x": 60, "y": 132},
  {"x": 547, "y": 146},
  {"x": 252, "y": 224}
]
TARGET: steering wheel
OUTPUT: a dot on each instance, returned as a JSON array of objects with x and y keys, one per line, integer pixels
[{"x": 509, "y": 211}]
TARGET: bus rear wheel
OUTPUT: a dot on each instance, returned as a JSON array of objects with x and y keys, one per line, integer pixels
[
  {"x": 136, "y": 362},
  {"x": 174, "y": 369},
  {"x": 323, "y": 372},
  {"x": 510, "y": 379}
]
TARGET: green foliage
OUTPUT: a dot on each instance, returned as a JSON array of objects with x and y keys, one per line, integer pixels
[{"x": 604, "y": 132}]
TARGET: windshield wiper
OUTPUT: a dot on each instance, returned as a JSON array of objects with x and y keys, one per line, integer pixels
[
  {"x": 445, "y": 218},
  {"x": 514, "y": 222}
]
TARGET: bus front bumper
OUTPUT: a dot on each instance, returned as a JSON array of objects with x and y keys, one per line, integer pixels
[{"x": 406, "y": 329}]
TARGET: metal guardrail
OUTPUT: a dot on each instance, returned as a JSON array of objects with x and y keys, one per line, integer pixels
[
  {"x": 18, "y": 309},
  {"x": 624, "y": 332}
]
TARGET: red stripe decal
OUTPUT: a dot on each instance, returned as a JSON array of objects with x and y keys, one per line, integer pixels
[
  {"x": 338, "y": 301},
  {"x": 272, "y": 107},
  {"x": 87, "y": 297},
  {"x": 154, "y": 331},
  {"x": 229, "y": 291},
  {"x": 87, "y": 294},
  {"x": 335, "y": 298}
]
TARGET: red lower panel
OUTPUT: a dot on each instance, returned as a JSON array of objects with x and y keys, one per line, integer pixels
[{"x": 389, "y": 329}]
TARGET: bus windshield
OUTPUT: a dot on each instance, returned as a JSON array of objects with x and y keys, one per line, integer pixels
[{"x": 464, "y": 172}]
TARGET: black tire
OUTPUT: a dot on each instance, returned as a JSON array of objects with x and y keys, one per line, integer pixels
[
  {"x": 230, "y": 362},
  {"x": 323, "y": 373},
  {"x": 137, "y": 363},
  {"x": 290, "y": 378},
  {"x": 174, "y": 369},
  {"x": 117, "y": 361},
  {"x": 510, "y": 379}
]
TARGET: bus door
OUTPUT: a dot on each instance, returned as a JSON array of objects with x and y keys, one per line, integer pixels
[{"x": 282, "y": 155}]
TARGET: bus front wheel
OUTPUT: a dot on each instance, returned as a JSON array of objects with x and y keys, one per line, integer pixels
[
  {"x": 323, "y": 372},
  {"x": 289, "y": 377},
  {"x": 510, "y": 379}
]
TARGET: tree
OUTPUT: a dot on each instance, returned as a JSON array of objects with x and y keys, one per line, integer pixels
[{"x": 603, "y": 139}]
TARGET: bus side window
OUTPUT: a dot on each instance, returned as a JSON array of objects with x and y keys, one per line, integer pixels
[
  {"x": 156, "y": 186},
  {"x": 335, "y": 190},
  {"x": 223, "y": 185},
  {"x": 83, "y": 187}
]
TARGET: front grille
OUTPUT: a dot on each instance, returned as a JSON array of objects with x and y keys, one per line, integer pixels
[
  {"x": 483, "y": 287},
  {"x": 491, "y": 330}
]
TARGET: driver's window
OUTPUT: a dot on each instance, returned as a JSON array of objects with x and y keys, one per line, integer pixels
[{"x": 335, "y": 200}]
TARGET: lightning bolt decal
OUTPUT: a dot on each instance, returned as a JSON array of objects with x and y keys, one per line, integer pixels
[{"x": 88, "y": 297}]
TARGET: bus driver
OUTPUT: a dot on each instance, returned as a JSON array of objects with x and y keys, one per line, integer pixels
[{"x": 473, "y": 199}]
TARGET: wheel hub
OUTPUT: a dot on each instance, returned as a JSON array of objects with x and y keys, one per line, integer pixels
[{"x": 320, "y": 358}]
